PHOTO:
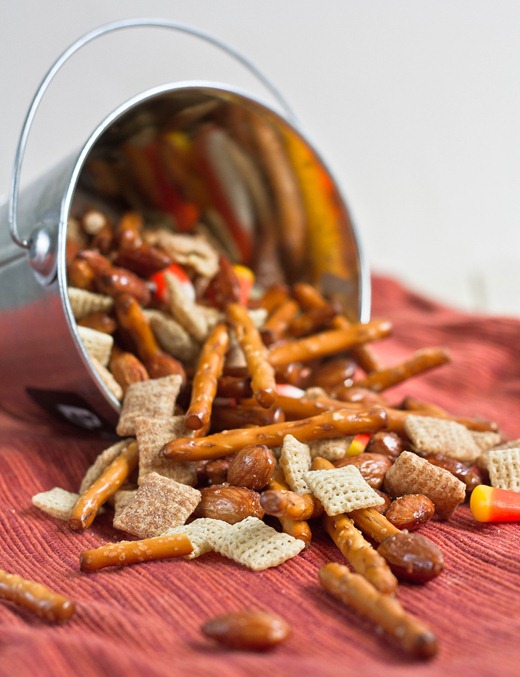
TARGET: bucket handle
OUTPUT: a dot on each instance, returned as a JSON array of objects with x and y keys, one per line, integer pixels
[{"x": 78, "y": 44}]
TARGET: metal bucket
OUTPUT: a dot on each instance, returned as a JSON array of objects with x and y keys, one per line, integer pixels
[{"x": 45, "y": 367}]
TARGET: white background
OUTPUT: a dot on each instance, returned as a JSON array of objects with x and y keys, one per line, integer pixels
[{"x": 414, "y": 104}]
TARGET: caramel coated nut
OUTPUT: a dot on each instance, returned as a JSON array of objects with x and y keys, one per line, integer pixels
[
  {"x": 470, "y": 475},
  {"x": 410, "y": 511},
  {"x": 229, "y": 504},
  {"x": 251, "y": 630},
  {"x": 412, "y": 557},
  {"x": 252, "y": 467},
  {"x": 385, "y": 443},
  {"x": 371, "y": 466}
]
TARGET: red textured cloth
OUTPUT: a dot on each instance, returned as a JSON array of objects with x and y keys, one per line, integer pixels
[{"x": 145, "y": 619}]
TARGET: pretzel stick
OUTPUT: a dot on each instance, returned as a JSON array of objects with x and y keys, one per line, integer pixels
[
  {"x": 311, "y": 321},
  {"x": 373, "y": 524},
  {"x": 126, "y": 368},
  {"x": 383, "y": 610},
  {"x": 234, "y": 386},
  {"x": 422, "y": 408},
  {"x": 36, "y": 597},
  {"x": 297, "y": 528},
  {"x": 86, "y": 508},
  {"x": 301, "y": 407},
  {"x": 132, "y": 552},
  {"x": 262, "y": 373},
  {"x": 369, "y": 520},
  {"x": 272, "y": 297},
  {"x": 397, "y": 417},
  {"x": 420, "y": 362},
  {"x": 204, "y": 386},
  {"x": 359, "y": 553},
  {"x": 426, "y": 408},
  {"x": 279, "y": 320},
  {"x": 328, "y": 342},
  {"x": 226, "y": 416},
  {"x": 325, "y": 426},
  {"x": 310, "y": 298},
  {"x": 132, "y": 319},
  {"x": 289, "y": 504}
]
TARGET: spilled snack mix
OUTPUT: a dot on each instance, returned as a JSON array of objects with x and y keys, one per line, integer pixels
[{"x": 246, "y": 405}]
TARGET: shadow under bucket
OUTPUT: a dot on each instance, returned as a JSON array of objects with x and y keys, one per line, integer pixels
[{"x": 192, "y": 157}]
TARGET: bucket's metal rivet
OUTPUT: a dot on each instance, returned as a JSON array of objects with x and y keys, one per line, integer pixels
[{"x": 42, "y": 253}]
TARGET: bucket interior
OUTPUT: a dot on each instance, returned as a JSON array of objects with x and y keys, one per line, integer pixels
[
  {"x": 211, "y": 160},
  {"x": 201, "y": 159}
]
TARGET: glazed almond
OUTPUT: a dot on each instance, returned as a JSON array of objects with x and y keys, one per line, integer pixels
[
  {"x": 252, "y": 467},
  {"x": 250, "y": 630}
]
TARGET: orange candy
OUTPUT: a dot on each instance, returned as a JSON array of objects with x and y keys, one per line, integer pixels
[{"x": 490, "y": 504}]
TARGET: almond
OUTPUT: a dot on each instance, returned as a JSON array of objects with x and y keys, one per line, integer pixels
[
  {"x": 385, "y": 443},
  {"x": 410, "y": 511},
  {"x": 252, "y": 467},
  {"x": 371, "y": 466},
  {"x": 229, "y": 504},
  {"x": 253, "y": 630}
]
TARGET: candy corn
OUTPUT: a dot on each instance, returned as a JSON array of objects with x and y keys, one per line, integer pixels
[
  {"x": 358, "y": 444},
  {"x": 246, "y": 280},
  {"x": 490, "y": 504},
  {"x": 159, "y": 281}
]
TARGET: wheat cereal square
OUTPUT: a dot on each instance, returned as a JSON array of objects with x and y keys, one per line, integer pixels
[
  {"x": 154, "y": 399},
  {"x": 121, "y": 499},
  {"x": 103, "y": 460},
  {"x": 341, "y": 490},
  {"x": 411, "y": 474},
  {"x": 172, "y": 337},
  {"x": 504, "y": 468},
  {"x": 83, "y": 302},
  {"x": 152, "y": 435},
  {"x": 441, "y": 436},
  {"x": 185, "y": 311},
  {"x": 295, "y": 460},
  {"x": 160, "y": 503},
  {"x": 105, "y": 375},
  {"x": 196, "y": 252},
  {"x": 332, "y": 450},
  {"x": 56, "y": 502},
  {"x": 256, "y": 545},
  {"x": 202, "y": 533},
  {"x": 97, "y": 344},
  {"x": 486, "y": 439}
]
